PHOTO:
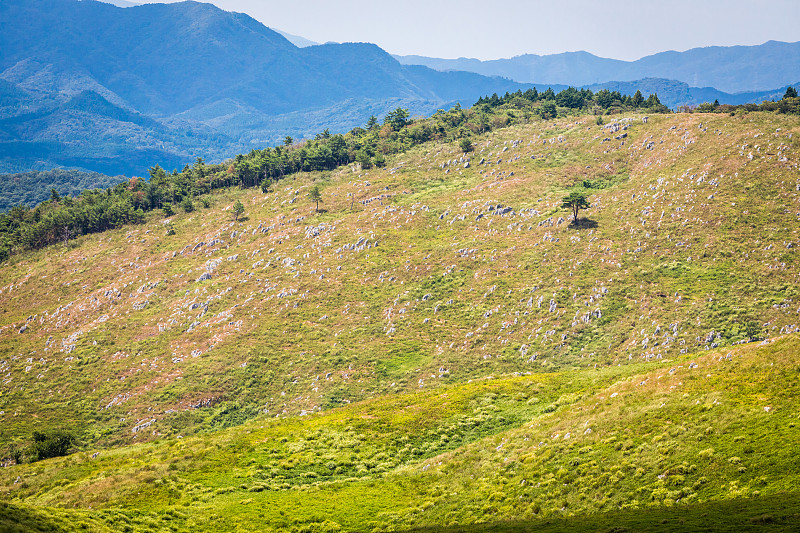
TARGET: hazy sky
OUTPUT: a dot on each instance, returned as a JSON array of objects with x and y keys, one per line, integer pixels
[{"x": 485, "y": 29}]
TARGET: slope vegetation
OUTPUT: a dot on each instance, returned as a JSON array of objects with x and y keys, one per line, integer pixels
[
  {"x": 564, "y": 451},
  {"x": 457, "y": 350}
]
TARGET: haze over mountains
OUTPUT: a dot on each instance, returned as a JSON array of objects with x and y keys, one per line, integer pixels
[
  {"x": 731, "y": 69},
  {"x": 118, "y": 90}
]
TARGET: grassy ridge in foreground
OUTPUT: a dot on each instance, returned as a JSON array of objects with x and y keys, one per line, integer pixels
[
  {"x": 780, "y": 513},
  {"x": 705, "y": 429}
]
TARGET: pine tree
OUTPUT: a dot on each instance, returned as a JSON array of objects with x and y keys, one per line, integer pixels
[
  {"x": 238, "y": 209},
  {"x": 653, "y": 101},
  {"x": 316, "y": 196},
  {"x": 576, "y": 200}
]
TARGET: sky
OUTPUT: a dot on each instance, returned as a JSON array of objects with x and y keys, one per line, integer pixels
[{"x": 484, "y": 29}]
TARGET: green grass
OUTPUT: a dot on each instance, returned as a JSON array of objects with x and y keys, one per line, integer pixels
[{"x": 692, "y": 434}]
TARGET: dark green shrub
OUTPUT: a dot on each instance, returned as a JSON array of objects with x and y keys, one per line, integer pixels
[
  {"x": 16, "y": 454},
  {"x": 53, "y": 444}
]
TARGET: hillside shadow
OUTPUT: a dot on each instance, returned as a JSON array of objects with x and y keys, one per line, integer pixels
[
  {"x": 26, "y": 520},
  {"x": 773, "y": 513},
  {"x": 583, "y": 223}
]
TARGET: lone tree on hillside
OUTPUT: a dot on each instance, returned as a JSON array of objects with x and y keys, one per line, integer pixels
[
  {"x": 238, "y": 209},
  {"x": 466, "y": 145},
  {"x": 576, "y": 200},
  {"x": 791, "y": 92},
  {"x": 316, "y": 196}
]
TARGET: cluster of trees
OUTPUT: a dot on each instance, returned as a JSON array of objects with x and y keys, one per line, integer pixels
[
  {"x": 789, "y": 104},
  {"x": 367, "y": 146},
  {"x": 61, "y": 218},
  {"x": 33, "y": 187},
  {"x": 548, "y": 104}
]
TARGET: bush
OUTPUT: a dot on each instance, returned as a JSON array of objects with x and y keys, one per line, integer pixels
[
  {"x": 466, "y": 145},
  {"x": 47, "y": 445},
  {"x": 364, "y": 159},
  {"x": 168, "y": 210},
  {"x": 753, "y": 331},
  {"x": 187, "y": 205},
  {"x": 16, "y": 454},
  {"x": 548, "y": 110}
]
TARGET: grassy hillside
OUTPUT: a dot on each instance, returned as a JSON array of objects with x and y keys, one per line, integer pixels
[{"x": 457, "y": 351}]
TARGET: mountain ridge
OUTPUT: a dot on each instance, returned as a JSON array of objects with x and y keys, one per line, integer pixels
[
  {"x": 729, "y": 69},
  {"x": 179, "y": 64},
  {"x": 196, "y": 81}
]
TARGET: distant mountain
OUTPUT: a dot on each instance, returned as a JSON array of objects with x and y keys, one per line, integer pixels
[
  {"x": 120, "y": 3},
  {"x": 732, "y": 69},
  {"x": 300, "y": 42},
  {"x": 118, "y": 90}
]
